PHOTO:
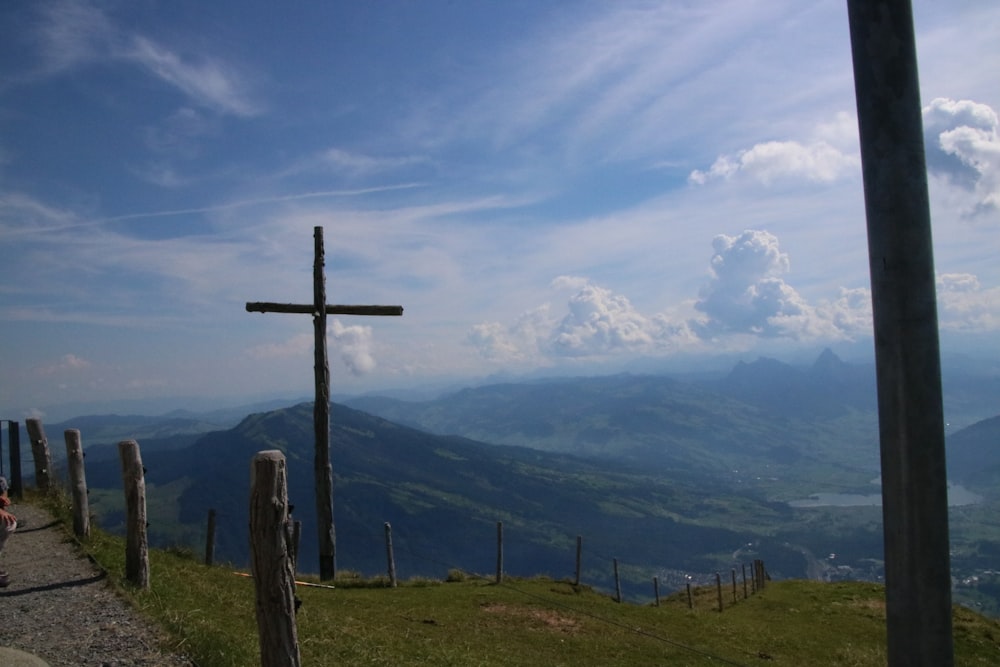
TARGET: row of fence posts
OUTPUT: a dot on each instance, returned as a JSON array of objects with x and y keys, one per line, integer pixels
[
  {"x": 273, "y": 563},
  {"x": 274, "y": 536},
  {"x": 136, "y": 543},
  {"x": 758, "y": 581}
]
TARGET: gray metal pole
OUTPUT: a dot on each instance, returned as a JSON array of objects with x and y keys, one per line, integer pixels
[{"x": 907, "y": 355}]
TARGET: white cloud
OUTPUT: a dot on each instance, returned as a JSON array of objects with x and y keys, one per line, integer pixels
[
  {"x": 521, "y": 342},
  {"x": 747, "y": 295},
  {"x": 965, "y": 305},
  {"x": 353, "y": 343},
  {"x": 70, "y": 34},
  {"x": 20, "y": 213},
  {"x": 778, "y": 161},
  {"x": 598, "y": 323},
  {"x": 74, "y": 34},
  {"x": 850, "y": 312},
  {"x": 364, "y": 164},
  {"x": 962, "y": 145},
  {"x": 746, "y": 298},
  {"x": 208, "y": 82}
]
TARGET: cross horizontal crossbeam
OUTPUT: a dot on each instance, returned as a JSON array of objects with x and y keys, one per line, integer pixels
[{"x": 308, "y": 309}]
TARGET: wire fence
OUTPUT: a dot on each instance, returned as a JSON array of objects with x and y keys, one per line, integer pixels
[{"x": 697, "y": 589}]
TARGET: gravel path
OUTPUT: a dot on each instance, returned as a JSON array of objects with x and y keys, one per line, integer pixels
[{"x": 60, "y": 607}]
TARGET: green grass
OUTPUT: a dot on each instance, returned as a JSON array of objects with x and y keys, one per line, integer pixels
[{"x": 470, "y": 621}]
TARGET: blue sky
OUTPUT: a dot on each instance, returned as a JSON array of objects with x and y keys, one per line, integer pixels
[{"x": 546, "y": 187}]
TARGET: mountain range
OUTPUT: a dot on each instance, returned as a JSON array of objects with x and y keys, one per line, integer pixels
[{"x": 672, "y": 477}]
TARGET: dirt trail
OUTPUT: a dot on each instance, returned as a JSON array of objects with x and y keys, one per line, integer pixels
[{"x": 60, "y": 607}]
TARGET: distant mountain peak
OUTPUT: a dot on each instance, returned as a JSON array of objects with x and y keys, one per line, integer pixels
[
  {"x": 828, "y": 360},
  {"x": 762, "y": 367}
]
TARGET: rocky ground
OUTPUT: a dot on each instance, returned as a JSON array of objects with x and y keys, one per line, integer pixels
[{"x": 60, "y": 607}]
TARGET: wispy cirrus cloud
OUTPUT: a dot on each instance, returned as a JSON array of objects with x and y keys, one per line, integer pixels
[
  {"x": 73, "y": 34},
  {"x": 614, "y": 79},
  {"x": 205, "y": 80},
  {"x": 360, "y": 163}
]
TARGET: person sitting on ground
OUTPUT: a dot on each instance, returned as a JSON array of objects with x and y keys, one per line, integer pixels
[{"x": 8, "y": 524}]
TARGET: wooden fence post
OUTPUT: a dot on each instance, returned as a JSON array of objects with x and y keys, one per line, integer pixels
[
  {"x": 690, "y": 599},
  {"x": 734, "y": 585},
  {"x": 745, "y": 595},
  {"x": 718, "y": 588},
  {"x": 618, "y": 583},
  {"x": 499, "y": 552},
  {"x": 579, "y": 559},
  {"x": 14, "y": 435},
  {"x": 136, "y": 546},
  {"x": 656, "y": 590},
  {"x": 389, "y": 556},
  {"x": 210, "y": 539},
  {"x": 77, "y": 483},
  {"x": 270, "y": 561},
  {"x": 40, "y": 452},
  {"x": 296, "y": 542}
]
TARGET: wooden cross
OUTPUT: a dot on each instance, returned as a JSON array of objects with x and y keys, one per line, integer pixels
[{"x": 321, "y": 410}]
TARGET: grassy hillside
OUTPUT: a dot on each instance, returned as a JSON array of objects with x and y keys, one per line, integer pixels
[
  {"x": 444, "y": 496},
  {"x": 209, "y": 613},
  {"x": 672, "y": 478}
]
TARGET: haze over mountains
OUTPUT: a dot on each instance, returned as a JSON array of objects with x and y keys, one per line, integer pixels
[{"x": 671, "y": 476}]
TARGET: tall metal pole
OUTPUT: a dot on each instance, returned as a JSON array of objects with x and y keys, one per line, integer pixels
[
  {"x": 323, "y": 470},
  {"x": 907, "y": 354}
]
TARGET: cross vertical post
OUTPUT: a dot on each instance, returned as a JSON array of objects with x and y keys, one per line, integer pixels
[{"x": 323, "y": 469}]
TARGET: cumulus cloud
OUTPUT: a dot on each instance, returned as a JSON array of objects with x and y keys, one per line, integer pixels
[
  {"x": 962, "y": 145},
  {"x": 520, "y": 342},
  {"x": 850, "y": 312},
  {"x": 748, "y": 295},
  {"x": 779, "y": 161},
  {"x": 354, "y": 345},
  {"x": 965, "y": 305},
  {"x": 597, "y": 323}
]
